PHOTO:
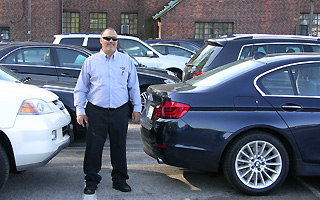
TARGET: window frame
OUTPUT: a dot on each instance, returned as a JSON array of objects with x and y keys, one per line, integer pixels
[
  {"x": 4, "y": 31},
  {"x": 304, "y": 20},
  {"x": 100, "y": 18},
  {"x": 130, "y": 19},
  {"x": 207, "y": 30},
  {"x": 71, "y": 22}
]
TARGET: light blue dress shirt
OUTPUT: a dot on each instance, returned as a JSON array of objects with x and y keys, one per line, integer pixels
[{"x": 107, "y": 82}]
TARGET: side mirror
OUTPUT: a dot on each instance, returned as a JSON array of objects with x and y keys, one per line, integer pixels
[{"x": 149, "y": 54}]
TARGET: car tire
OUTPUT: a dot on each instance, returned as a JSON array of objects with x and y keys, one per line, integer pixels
[
  {"x": 4, "y": 168},
  {"x": 256, "y": 163}
]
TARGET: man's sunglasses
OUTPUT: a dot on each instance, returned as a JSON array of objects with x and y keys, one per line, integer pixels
[{"x": 108, "y": 38}]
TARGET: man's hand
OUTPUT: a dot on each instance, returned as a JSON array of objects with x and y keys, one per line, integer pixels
[
  {"x": 82, "y": 120},
  {"x": 136, "y": 117}
]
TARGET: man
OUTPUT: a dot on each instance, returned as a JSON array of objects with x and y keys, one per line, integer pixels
[{"x": 107, "y": 82}]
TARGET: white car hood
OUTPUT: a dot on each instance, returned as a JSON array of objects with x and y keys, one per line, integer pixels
[
  {"x": 21, "y": 91},
  {"x": 12, "y": 94}
]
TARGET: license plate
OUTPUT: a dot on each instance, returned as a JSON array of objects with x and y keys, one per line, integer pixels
[{"x": 150, "y": 111}]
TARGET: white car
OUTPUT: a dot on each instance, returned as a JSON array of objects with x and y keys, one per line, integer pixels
[
  {"x": 143, "y": 52},
  {"x": 33, "y": 127}
]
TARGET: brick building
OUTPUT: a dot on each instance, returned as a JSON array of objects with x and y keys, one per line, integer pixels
[{"x": 155, "y": 18}]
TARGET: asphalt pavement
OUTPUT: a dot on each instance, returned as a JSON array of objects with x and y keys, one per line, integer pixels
[{"x": 63, "y": 179}]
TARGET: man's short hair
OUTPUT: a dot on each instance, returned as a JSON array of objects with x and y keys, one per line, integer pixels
[{"x": 109, "y": 28}]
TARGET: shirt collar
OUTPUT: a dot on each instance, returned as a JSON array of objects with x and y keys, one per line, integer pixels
[{"x": 106, "y": 56}]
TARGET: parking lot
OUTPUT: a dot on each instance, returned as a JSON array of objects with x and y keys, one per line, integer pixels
[{"x": 62, "y": 178}]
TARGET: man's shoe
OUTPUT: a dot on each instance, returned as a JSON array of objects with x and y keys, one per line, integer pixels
[
  {"x": 123, "y": 187},
  {"x": 89, "y": 190}
]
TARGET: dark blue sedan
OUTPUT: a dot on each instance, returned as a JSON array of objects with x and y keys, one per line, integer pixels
[{"x": 256, "y": 119}]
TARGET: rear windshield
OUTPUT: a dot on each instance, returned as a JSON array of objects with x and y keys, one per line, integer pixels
[
  {"x": 224, "y": 73},
  {"x": 205, "y": 56},
  {"x": 73, "y": 41}
]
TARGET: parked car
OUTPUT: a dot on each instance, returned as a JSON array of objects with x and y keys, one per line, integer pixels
[
  {"x": 189, "y": 44},
  {"x": 143, "y": 52},
  {"x": 57, "y": 67},
  {"x": 173, "y": 49},
  {"x": 226, "y": 49},
  {"x": 33, "y": 126},
  {"x": 254, "y": 119}
]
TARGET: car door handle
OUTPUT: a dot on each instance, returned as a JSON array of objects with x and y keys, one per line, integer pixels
[
  {"x": 66, "y": 75},
  {"x": 291, "y": 107}
]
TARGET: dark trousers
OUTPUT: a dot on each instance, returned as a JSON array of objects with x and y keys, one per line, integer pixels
[{"x": 103, "y": 122}]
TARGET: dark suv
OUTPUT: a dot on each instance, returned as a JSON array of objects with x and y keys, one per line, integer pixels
[{"x": 226, "y": 49}]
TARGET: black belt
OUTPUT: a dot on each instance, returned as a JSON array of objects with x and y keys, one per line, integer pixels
[{"x": 109, "y": 109}]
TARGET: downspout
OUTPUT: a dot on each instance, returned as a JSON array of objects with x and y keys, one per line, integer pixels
[
  {"x": 29, "y": 20},
  {"x": 61, "y": 16},
  {"x": 159, "y": 28},
  {"x": 311, "y": 17}
]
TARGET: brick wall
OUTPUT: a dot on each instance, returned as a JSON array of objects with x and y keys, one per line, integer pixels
[
  {"x": 14, "y": 14},
  {"x": 248, "y": 16}
]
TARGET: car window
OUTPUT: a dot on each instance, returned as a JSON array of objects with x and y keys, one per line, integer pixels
[
  {"x": 265, "y": 49},
  {"x": 307, "y": 79},
  {"x": 29, "y": 56},
  {"x": 205, "y": 57},
  {"x": 73, "y": 41},
  {"x": 94, "y": 44},
  {"x": 246, "y": 52},
  {"x": 277, "y": 83},
  {"x": 134, "y": 48},
  {"x": 284, "y": 48},
  {"x": 260, "y": 49},
  {"x": 161, "y": 49},
  {"x": 178, "y": 51},
  {"x": 311, "y": 48},
  {"x": 192, "y": 47},
  {"x": 70, "y": 58}
]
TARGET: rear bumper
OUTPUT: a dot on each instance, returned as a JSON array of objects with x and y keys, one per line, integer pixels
[{"x": 179, "y": 147}]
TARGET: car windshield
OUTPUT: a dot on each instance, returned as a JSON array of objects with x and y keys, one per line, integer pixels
[
  {"x": 8, "y": 75},
  {"x": 224, "y": 73}
]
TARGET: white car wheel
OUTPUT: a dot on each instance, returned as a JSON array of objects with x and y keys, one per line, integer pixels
[{"x": 256, "y": 163}]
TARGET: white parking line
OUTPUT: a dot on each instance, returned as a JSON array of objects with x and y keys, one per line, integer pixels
[
  {"x": 90, "y": 197},
  {"x": 311, "y": 188}
]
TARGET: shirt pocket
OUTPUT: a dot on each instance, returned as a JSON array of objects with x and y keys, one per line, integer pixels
[{"x": 122, "y": 77}]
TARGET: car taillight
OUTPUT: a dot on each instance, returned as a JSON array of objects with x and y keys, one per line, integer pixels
[
  {"x": 198, "y": 74},
  {"x": 171, "y": 110}
]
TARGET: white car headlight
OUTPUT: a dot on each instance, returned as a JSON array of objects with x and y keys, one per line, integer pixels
[{"x": 34, "y": 107}]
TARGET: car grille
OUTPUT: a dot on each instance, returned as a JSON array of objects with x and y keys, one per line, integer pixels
[{"x": 65, "y": 130}]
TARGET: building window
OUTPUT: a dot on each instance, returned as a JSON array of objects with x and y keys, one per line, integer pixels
[
  {"x": 212, "y": 30},
  {"x": 71, "y": 22},
  {"x": 304, "y": 20},
  {"x": 4, "y": 33},
  {"x": 98, "y": 21},
  {"x": 129, "y": 24}
]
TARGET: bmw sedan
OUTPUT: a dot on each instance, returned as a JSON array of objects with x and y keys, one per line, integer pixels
[{"x": 255, "y": 119}]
